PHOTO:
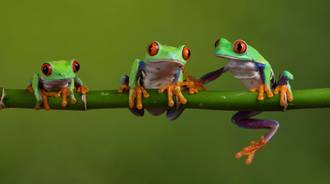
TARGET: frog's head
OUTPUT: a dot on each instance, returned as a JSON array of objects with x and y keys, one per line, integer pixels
[
  {"x": 163, "y": 53},
  {"x": 239, "y": 50},
  {"x": 57, "y": 70}
]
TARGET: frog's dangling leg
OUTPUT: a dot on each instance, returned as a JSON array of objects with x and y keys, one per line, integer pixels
[{"x": 243, "y": 119}]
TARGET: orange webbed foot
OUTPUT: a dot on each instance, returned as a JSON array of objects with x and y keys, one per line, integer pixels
[
  {"x": 261, "y": 90},
  {"x": 44, "y": 99},
  {"x": 82, "y": 89},
  {"x": 193, "y": 85},
  {"x": 135, "y": 97},
  {"x": 285, "y": 95},
  {"x": 250, "y": 151},
  {"x": 173, "y": 90}
]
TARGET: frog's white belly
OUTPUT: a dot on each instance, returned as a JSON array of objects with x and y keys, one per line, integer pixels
[
  {"x": 247, "y": 72},
  {"x": 54, "y": 85},
  {"x": 158, "y": 74}
]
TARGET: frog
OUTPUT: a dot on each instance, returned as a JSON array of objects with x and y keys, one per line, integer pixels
[
  {"x": 162, "y": 69},
  {"x": 248, "y": 66},
  {"x": 57, "y": 79}
]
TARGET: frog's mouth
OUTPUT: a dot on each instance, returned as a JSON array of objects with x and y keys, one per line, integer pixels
[
  {"x": 168, "y": 62},
  {"x": 231, "y": 58}
]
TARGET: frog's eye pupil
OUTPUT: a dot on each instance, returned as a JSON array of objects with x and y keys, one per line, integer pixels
[
  {"x": 240, "y": 46},
  {"x": 75, "y": 66},
  {"x": 46, "y": 69},
  {"x": 153, "y": 48},
  {"x": 186, "y": 53},
  {"x": 216, "y": 43}
]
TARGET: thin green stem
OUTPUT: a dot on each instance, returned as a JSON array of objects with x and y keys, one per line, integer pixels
[{"x": 216, "y": 100}]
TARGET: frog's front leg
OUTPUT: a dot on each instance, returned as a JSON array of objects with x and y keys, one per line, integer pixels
[
  {"x": 123, "y": 84},
  {"x": 173, "y": 89},
  {"x": 65, "y": 93},
  {"x": 34, "y": 88},
  {"x": 136, "y": 94},
  {"x": 189, "y": 82},
  {"x": 79, "y": 86},
  {"x": 243, "y": 119},
  {"x": 193, "y": 85},
  {"x": 265, "y": 86},
  {"x": 284, "y": 89},
  {"x": 261, "y": 90},
  {"x": 72, "y": 88},
  {"x": 69, "y": 92},
  {"x": 41, "y": 95},
  {"x": 136, "y": 89}
]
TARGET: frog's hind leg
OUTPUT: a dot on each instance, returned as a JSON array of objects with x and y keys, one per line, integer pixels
[
  {"x": 174, "y": 112},
  {"x": 243, "y": 119},
  {"x": 137, "y": 112}
]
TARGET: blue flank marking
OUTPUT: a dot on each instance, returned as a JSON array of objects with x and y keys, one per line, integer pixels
[
  {"x": 141, "y": 65},
  {"x": 261, "y": 68},
  {"x": 177, "y": 75}
]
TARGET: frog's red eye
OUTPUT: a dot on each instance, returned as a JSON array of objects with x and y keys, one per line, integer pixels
[
  {"x": 153, "y": 48},
  {"x": 216, "y": 43},
  {"x": 46, "y": 69},
  {"x": 186, "y": 53},
  {"x": 240, "y": 46},
  {"x": 75, "y": 66}
]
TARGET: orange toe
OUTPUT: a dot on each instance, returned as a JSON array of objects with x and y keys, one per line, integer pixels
[{"x": 250, "y": 151}]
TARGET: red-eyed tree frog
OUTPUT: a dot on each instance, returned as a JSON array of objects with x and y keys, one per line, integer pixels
[
  {"x": 55, "y": 79},
  {"x": 256, "y": 74},
  {"x": 163, "y": 69}
]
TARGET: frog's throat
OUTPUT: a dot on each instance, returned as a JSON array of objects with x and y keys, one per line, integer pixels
[{"x": 166, "y": 60}]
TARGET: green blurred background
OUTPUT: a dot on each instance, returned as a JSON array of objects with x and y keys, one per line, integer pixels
[{"x": 113, "y": 146}]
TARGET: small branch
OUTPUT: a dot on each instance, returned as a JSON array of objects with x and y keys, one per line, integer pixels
[{"x": 216, "y": 100}]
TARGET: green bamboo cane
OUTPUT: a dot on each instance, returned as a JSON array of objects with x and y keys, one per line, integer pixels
[{"x": 214, "y": 100}]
